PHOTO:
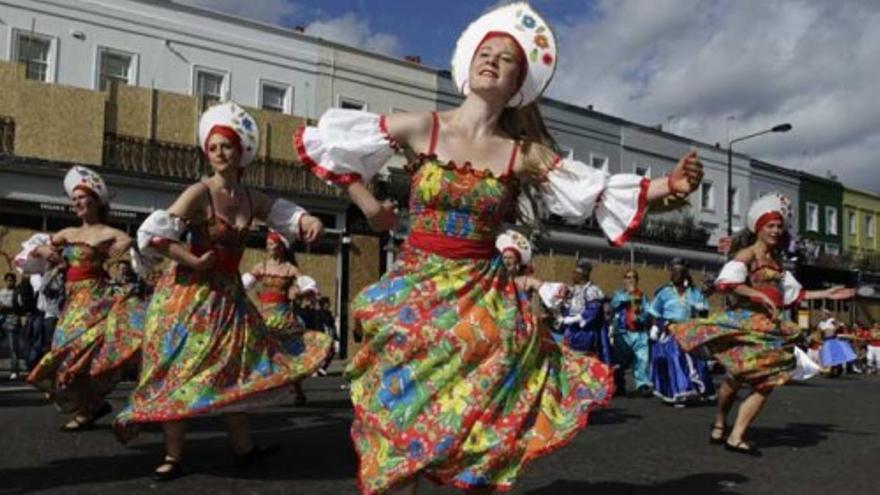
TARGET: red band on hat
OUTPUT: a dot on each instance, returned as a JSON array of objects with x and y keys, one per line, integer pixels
[
  {"x": 514, "y": 251},
  {"x": 227, "y": 132},
  {"x": 523, "y": 60},
  {"x": 275, "y": 237},
  {"x": 88, "y": 190},
  {"x": 767, "y": 218}
]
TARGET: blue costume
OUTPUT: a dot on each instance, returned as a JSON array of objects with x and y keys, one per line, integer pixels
[
  {"x": 631, "y": 318},
  {"x": 583, "y": 324},
  {"x": 678, "y": 376}
]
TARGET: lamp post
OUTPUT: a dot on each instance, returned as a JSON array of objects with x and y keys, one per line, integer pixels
[{"x": 778, "y": 128}]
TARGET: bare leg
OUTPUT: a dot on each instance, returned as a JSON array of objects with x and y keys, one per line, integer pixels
[
  {"x": 726, "y": 397},
  {"x": 747, "y": 413},
  {"x": 175, "y": 434},
  {"x": 299, "y": 395},
  {"x": 239, "y": 433}
]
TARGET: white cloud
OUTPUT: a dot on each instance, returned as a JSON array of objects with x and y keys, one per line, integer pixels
[
  {"x": 268, "y": 11},
  {"x": 808, "y": 62},
  {"x": 351, "y": 30}
]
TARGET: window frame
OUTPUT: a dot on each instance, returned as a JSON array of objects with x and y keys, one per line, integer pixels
[
  {"x": 606, "y": 162},
  {"x": 869, "y": 225},
  {"x": 224, "y": 85},
  {"x": 828, "y": 223},
  {"x": 807, "y": 206},
  {"x": 341, "y": 99},
  {"x": 51, "y": 57},
  {"x": 852, "y": 222},
  {"x": 132, "y": 67},
  {"x": 637, "y": 166},
  {"x": 288, "y": 95},
  {"x": 734, "y": 199},
  {"x": 711, "y": 185}
]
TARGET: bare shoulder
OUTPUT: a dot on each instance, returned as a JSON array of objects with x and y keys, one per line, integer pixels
[
  {"x": 408, "y": 126},
  {"x": 536, "y": 156},
  {"x": 193, "y": 199},
  {"x": 746, "y": 255}
]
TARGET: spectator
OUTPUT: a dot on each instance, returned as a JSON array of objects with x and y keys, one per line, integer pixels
[
  {"x": 10, "y": 321},
  {"x": 50, "y": 302},
  {"x": 326, "y": 322}
]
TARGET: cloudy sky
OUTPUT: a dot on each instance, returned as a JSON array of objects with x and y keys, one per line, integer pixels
[{"x": 709, "y": 69}]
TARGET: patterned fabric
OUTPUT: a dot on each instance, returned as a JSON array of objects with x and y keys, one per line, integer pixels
[
  {"x": 274, "y": 304},
  {"x": 455, "y": 380},
  {"x": 98, "y": 334},
  {"x": 752, "y": 347},
  {"x": 206, "y": 348}
]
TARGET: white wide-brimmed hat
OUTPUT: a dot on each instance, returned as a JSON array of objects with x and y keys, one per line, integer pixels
[
  {"x": 511, "y": 240},
  {"x": 79, "y": 177},
  {"x": 231, "y": 115},
  {"x": 770, "y": 205}
]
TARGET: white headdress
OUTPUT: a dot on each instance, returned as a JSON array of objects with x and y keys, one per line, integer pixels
[
  {"x": 530, "y": 31},
  {"x": 229, "y": 114},
  {"x": 511, "y": 240},
  {"x": 306, "y": 283},
  {"x": 766, "y": 207},
  {"x": 86, "y": 178}
]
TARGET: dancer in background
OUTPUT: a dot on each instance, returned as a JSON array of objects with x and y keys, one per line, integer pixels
[
  {"x": 753, "y": 339},
  {"x": 207, "y": 350},
  {"x": 631, "y": 343},
  {"x": 275, "y": 279},
  {"x": 98, "y": 334},
  {"x": 451, "y": 383},
  {"x": 584, "y": 325},
  {"x": 679, "y": 378}
]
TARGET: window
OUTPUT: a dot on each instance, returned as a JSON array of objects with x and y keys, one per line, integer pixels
[
  {"x": 812, "y": 217},
  {"x": 734, "y": 193},
  {"x": 351, "y": 104},
  {"x": 831, "y": 220},
  {"x": 869, "y": 225},
  {"x": 851, "y": 221},
  {"x": 643, "y": 170},
  {"x": 37, "y": 53},
  {"x": 210, "y": 87},
  {"x": 275, "y": 97},
  {"x": 831, "y": 248},
  {"x": 115, "y": 65},
  {"x": 707, "y": 195},
  {"x": 599, "y": 161}
]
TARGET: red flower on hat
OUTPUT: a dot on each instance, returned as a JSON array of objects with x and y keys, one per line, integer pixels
[{"x": 548, "y": 59}]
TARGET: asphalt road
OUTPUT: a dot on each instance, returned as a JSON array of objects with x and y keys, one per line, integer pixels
[{"x": 820, "y": 437}]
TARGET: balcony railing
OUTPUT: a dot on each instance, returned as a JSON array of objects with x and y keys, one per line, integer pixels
[
  {"x": 170, "y": 160},
  {"x": 7, "y": 135}
]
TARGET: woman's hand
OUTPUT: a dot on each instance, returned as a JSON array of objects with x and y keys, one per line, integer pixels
[
  {"x": 686, "y": 176},
  {"x": 310, "y": 228},
  {"x": 839, "y": 292},
  {"x": 384, "y": 218},
  {"x": 768, "y": 304}
]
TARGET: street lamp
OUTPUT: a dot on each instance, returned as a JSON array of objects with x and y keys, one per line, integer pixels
[{"x": 777, "y": 128}]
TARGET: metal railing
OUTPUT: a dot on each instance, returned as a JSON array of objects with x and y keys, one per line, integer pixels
[{"x": 163, "y": 159}]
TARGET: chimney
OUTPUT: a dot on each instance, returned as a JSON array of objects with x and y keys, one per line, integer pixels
[
  {"x": 416, "y": 59},
  {"x": 299, "y": 29}
]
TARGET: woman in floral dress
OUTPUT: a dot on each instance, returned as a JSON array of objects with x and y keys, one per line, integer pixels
[
  {"x": 98, "y": 334},
  {"x": 451, "y": 383},
  {"x": 752, "y": 339},
  {"x": 274, "y": 280},
  {"x": 206, "y": 348}
]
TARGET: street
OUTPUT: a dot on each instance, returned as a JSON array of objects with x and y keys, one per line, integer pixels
[{"x": 819, "y": 437}]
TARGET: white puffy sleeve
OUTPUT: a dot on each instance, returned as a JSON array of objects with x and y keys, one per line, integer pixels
[
  {"x": 284, "y": 218},
  {"x": 27, "y": 262},
  {"x": 733, "y": 273},
  {"x": 159, "y": 228},
  {"x": 574, "y": 191},
  {"x": 792, "y": 290},
  {"x": 248, "y": 280},
  {"x": 552, "y": 294},
  {"x": 346, "y": 146}
]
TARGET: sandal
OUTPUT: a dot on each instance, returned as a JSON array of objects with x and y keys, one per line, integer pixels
[
  {"x": 176, "y": 471},
  {"x": 717, "y": 440},
  {"x": 80, "y": 422},
  {"x": 743, "y": 448}
]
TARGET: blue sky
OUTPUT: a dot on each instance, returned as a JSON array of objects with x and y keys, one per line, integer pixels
[{"x": 706, "y": 69}]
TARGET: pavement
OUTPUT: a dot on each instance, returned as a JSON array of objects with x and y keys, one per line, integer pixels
[{"x": 820, "y": 437}]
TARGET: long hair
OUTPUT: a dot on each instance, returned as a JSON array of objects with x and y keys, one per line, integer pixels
[{"x": 526, "y": 125}]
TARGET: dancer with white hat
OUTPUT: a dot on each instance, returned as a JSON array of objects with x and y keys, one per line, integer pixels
[
  {"x": 98, "y": 334},
  {"x": 450, "y": 383},
  {"x": 753, "y": 339}
]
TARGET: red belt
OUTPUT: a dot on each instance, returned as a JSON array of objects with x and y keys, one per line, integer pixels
[
  {"x": 452, "y": 247},
  {"x": 77, "y": 274},
  {"x": 272, "y": 297},
  {"x": 773, "y": 293}
]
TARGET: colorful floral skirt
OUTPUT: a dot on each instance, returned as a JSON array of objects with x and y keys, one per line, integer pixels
[
  {"x": 753, "y": 348},
  {"x": 456, "y": 382},
  {"x": 97, "y": 337},
  {"x": 207, "y": 350},
  {"x": 280, "y": 317}
]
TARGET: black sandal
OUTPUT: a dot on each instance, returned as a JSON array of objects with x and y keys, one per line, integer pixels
[
  {"x": 175, "y": 472},
  {"x": 256, "y": 454},
  {"x": 743, "y": 448},
  {"x": 79, "y": 423},
  {"x": 720, "y": 439}
]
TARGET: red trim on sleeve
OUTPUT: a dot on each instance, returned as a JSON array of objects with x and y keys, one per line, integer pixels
[
  {"x": 802, "y": 294},
  {"x": 160, "y": 242},
  {"x": 727, "y": 286},
  {"x": 383, "y": 128},
  {"x": 637, "y": 218},
  {"x": 319, "y": 171}
]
